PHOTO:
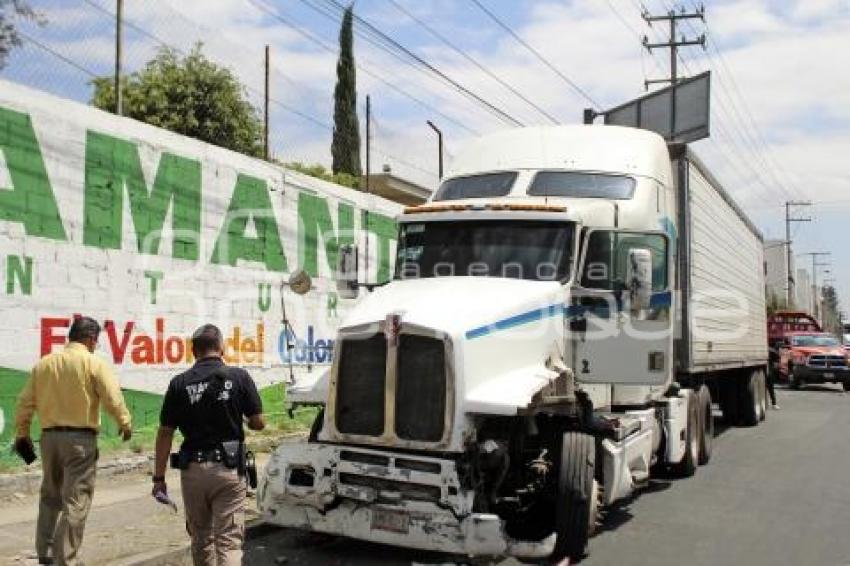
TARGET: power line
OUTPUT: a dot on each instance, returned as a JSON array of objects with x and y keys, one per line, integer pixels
[
  {"x": 474, "y": 61},
  {"x": 400, "y": 51},
  {"x": 314, "y": 39},
  {"x": 58, "y": 55},
  {"x": 538, "y": 55},
  {"x": 164, "y": 43}
]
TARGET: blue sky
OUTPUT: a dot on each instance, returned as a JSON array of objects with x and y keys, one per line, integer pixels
[{"x": 781, "y": 98}]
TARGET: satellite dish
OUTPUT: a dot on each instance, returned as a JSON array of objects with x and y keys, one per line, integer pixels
[{"x": 300, "y": 282}]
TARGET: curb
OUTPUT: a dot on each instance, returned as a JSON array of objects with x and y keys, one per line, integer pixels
[{"x": 29, "y": 482}]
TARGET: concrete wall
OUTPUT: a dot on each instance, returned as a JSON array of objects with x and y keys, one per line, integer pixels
[{"x": 153, "y": 233}]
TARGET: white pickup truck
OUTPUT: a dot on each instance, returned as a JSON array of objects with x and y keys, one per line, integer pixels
[{"x": 564, "y": 313}]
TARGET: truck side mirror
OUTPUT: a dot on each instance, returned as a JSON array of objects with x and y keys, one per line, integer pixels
[
  {"x": 346, "y": 272},
  {"x": 639, "y": 278}
]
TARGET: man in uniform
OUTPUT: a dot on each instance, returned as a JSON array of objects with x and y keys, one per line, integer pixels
[
  {"x": 66, "y": 389},
  {"x": 207, "y": 404}
]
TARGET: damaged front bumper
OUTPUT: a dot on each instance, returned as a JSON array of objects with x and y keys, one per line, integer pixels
[{"x": 397, "y": 499}]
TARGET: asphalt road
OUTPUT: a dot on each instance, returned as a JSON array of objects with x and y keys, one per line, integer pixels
[{"x": 775, "y": 494}]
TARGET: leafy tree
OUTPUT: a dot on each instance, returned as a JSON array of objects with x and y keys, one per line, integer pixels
[
  {"x": 345, "y": 148},
  {"x": 189, "y": 95},
  {"x": 831, "y": 307},
  {"x": 9, "y": 36},
  {"x": 317, "y": 170}
]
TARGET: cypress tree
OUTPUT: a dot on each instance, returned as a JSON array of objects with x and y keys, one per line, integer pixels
[{"x": 345, "y": 148}]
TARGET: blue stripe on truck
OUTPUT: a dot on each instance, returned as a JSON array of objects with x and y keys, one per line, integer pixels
[
  {"x": 658, "y": 300},
  {"x": 515, "y": 320}
]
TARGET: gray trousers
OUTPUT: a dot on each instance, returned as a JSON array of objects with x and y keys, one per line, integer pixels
[
  {"x": 214, "y": 498},
  {"x": 69, "y": 464}
]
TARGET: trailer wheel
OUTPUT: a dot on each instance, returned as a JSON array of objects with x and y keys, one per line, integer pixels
[
  {"x": 706, "y": 436},
  {"x": 763, "y": 395},
  {"x": 750, "y": 400},
  {"x": 575, "y": 514},
  {"x": 688, "y": 466}
]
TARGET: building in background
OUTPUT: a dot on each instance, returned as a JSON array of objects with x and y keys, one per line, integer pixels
[
  {"x": 803, "y": 289},
  {"x": 397, "y": 189},
  {"x": 776, "y": 272}
]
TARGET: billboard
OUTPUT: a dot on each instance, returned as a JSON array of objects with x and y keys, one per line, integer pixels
[
  {"x": 152, "y": 234},
  {"x": 679, "y": 113}
]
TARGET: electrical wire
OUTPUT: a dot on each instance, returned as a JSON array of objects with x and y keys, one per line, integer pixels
[
  {"x": 474, "y": 61},
  {"x": 572, "y": 84},
  {"x": 385, "y": 42},
  {"x": 317, "y": 41}
]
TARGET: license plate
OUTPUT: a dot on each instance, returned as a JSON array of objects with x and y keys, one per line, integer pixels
[
  {"x": 390, "y": 520},
  {"x": 829, "y": 375}
]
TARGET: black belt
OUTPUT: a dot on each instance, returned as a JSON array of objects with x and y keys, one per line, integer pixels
[
  {"x": 201, "y": 456},
  {"x": 70, "y": 429}
]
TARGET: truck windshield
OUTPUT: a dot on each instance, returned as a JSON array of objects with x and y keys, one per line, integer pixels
[
  {"x": 517, "y": 249},
  {"x": 814, "y": 341}
]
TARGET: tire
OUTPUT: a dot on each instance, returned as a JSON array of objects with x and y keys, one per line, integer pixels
[
  {"x": 750, "y": 404},
  {"x": 688, "y": 466},
  {"x": 317, "y": 425},
  {"x": 762, "y": 391},
  {"x": 575, "y": 514},
  {"x": 706, "y": 436},
  {"x": 846, "y": 385}
]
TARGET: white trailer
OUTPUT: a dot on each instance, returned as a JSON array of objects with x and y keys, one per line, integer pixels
[{"x": 564, "y": 312}]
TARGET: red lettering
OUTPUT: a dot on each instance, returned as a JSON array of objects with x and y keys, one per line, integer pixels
[
  {"x": 143, "y": 350},
  {"x": 118, "y": 348},
  {"x": 160, "y": 330},
  {"x": 48, "y": 338},
  {"x": 174, "y": 349}
]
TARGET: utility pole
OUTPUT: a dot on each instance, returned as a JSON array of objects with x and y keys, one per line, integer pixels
[
  {"x": 266, "y": 110},
  {"x": 672, "y": 44},
  {"x": 439, "y": 146},
  {"x": 368, "y": 174},
  {"x": 789, "y": 288},
  {"x": 119, "y": 16}
]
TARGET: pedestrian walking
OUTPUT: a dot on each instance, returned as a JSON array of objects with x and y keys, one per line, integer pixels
[
  {"x": 66, "y": 390},
  {"x": 771, "y": 391},
  {"x": 208, "y": 404}
]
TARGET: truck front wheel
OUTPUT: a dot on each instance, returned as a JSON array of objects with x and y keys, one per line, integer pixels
[
  {"x": 688, "y": 465},
  {"x": 577, "y": 495}
]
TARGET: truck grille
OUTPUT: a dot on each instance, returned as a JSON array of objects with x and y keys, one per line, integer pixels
[
  {"x": 825, "y": 361},
  {"x": 420, "y": 401},
  {"x": 360, "y": 386}
]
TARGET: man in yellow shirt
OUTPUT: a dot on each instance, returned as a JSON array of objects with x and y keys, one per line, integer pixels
[{"x": 66, "y": 389}]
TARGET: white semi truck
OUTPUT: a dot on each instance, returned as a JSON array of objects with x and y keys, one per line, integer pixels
[{"x": 564, "y": 313}]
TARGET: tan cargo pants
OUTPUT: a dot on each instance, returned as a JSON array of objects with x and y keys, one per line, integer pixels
[
  {"x": 69, "y": 464},
  {"x": 214, "y": 498}
]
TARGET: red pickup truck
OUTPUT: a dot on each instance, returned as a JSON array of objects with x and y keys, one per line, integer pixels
[
  {"x": 780, "y": 325},
  {"x": 814, "y": 357}
]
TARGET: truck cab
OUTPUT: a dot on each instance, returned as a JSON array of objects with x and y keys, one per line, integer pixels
[{"x": 519, "y": 370}]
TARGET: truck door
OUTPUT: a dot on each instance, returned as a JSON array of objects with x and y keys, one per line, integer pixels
[{"x": 621, "y": 309}]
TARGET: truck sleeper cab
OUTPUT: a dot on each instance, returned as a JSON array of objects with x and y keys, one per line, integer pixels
[{"x": 541, "y": 347}]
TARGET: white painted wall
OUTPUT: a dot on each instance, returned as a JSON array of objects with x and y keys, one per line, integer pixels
[{"x": 110, "y": 284}]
